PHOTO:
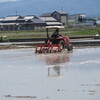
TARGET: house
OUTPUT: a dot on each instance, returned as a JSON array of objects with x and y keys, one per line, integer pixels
[
  {"x": 98, "y": 22},
  {"x": 61, "y": 16},
  {"x": 75, "y": 17},
  {"x": 55, "y": 18},
  {"x": 18, "y": 22},
  {"x": 13, "y": 19},
  {"x": 80, "y": 20},
  {"x": 11, "y": 22},
  {"x": 34, "y": 23},
  {"x": 50, "y": 21},
  {"x": 1, "y": 19},
  {"x": 28, "y": 17},
  {"x": 46, "y": 15}
]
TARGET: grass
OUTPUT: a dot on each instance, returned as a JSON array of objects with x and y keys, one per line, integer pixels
[
  {"x": 83, "y": 32},
  {"x": 6, "y": 35}
]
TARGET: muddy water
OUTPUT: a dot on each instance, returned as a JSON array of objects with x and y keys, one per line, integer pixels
[{"x": 25, "y": 75}]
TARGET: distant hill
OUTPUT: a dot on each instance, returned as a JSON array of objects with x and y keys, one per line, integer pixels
[{"x": 37, "y": 7}]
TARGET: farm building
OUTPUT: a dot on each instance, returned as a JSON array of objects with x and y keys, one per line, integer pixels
[
  {"x": 21, "y": 23},
  {"x": 76, "y": 17},
  {"x": 80, "y": 20},
  {"x": 55, "y": 18},
  {"x": 61, "y": 16},
  {"x": 50, "y": 21},
  {"x": 11, "y": 22},
  {"x": 34, "y": 23}
]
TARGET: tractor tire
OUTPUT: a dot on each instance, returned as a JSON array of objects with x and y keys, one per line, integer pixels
[
  {"x": 69, "y": 47},
  {"x": 62, "y": 44},
  {"x": 46, "y": 41}
]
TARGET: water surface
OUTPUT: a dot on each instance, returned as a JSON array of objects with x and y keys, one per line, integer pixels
[{"x": 25, "y": 75}]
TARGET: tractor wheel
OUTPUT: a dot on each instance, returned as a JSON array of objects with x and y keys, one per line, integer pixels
[
  {"x": 69, "y": 47},
  {"x": 62, "y": 44},
  {"x": 46, "y": 41}
]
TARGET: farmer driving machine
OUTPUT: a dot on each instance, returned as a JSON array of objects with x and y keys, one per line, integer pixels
[{"x": 55, "y": 43}]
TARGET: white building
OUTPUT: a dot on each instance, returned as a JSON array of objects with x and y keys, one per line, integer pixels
[{"x": 75, "y": 17}]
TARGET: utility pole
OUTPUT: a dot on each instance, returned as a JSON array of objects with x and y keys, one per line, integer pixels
[
  {"x": 16, "y": 12},
  {"x": 61, "y": 8}
]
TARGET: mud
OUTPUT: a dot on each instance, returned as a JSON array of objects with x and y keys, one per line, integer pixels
[
  {"x": 56, "y": 76},
  {"x": 29, "y": 97}
]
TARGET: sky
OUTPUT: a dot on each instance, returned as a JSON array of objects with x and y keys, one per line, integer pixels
[{"x": 38, "y": 7}]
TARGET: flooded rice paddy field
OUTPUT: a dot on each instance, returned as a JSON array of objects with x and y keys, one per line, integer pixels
[{"x": 25, "y": 75}]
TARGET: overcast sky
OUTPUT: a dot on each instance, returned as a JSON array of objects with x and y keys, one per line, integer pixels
[
  {"x": 8, "y": 0},
  {"x": 37, "y": 7}
]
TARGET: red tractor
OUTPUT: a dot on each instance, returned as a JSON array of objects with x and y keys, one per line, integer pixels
[{"x": 55, "y": 43}]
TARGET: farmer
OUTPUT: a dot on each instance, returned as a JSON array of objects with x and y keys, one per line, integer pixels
[{"x": 56, "y": 33}]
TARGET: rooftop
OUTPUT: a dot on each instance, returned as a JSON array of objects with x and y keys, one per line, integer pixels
[
  {"x": 8, "y": 18},
  {"x": 48, "y": 19},
  {"x": 37, "y": 20},
  {"x": 46, "y": 15},
  {"x": 29, "y": 17},
  {"x": 60, "y": 12}
]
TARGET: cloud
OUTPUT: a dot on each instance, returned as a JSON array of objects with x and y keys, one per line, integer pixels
[{"x": 7, "y": 1}]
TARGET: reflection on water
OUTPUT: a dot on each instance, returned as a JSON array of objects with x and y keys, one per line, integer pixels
[
  {"x": 55, "y": 72},
  {"x": 55, "y": 62},
  {"x": 58, "y": 76}
]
